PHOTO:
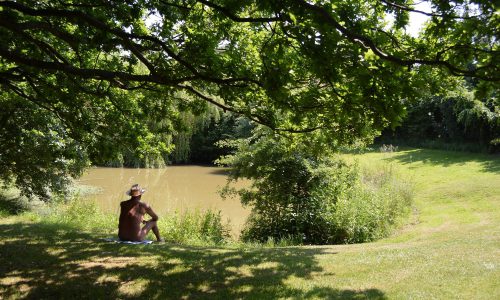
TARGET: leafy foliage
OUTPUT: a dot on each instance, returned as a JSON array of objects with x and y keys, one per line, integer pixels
[
  {"x": 111, "y": 78},
  {"x": 204, "y": 142},
  {"x": 46, "y": 144},
  {"x": 36, "y": 154}
]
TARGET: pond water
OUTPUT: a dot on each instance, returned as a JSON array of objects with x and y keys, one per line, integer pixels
[{"x": 174, "y": 188}]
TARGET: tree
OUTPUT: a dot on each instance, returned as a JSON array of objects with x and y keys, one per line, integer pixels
[
  {"x": 44, "y": 143},
  {"x": 334, "y": 70}
]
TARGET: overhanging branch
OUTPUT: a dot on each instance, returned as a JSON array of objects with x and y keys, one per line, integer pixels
[
  {"x": 88, "y": 73},
  {"x": 125, "y": 36},
  {"x": 368, "y": 43},
  {"x": 253, "y": 117}
]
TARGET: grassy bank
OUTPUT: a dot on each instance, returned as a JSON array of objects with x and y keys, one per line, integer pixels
[{"x": 449, "y": 250}]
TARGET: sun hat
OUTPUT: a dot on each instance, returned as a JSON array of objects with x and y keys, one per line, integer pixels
[{"x": 135, "y": 190}]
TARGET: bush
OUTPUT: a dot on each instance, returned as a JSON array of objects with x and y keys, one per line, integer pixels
[
  {"x": 11, "y": 203},
  {"x": 298, "y": 197}
]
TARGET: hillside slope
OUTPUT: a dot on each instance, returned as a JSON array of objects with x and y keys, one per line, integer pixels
[{"x": 450, "y": 249}]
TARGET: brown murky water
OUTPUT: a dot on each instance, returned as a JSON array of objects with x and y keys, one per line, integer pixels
[{"x": 175, "y": 188}]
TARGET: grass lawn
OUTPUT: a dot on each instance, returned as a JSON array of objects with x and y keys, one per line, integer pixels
[{"x": 450, "y": 249}]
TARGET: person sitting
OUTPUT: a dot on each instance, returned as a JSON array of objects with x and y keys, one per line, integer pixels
[{"x": 132, "y": 214}]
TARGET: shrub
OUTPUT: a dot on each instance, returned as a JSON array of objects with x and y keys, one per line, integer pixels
[
  {"x": 299, "y": 197},
  {"x": 12, "y": 204}
]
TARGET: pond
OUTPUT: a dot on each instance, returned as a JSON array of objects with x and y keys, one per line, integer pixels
[{"x": 171, "y": 189}]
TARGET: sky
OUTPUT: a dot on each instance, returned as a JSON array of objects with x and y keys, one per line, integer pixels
[{"x": 417, "y": 20}]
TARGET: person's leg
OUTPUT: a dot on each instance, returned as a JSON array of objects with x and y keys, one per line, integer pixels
[
  {"x": 156, "y": 232},
  {"x": 151, "y": 225}
]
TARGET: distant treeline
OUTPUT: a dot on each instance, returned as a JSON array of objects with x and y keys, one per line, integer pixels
[
  {"x": 195, "y": 140},
  {"x": 459, "y": 123},
  {"x": 452, "y": 123}
]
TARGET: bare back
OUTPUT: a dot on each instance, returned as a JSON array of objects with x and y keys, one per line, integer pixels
[{"x": 131, "y": 217}]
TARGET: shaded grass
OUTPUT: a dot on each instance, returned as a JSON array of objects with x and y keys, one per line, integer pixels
[
  {"x": 449, "y": 250},
  {"x": 56, "y": 262}
]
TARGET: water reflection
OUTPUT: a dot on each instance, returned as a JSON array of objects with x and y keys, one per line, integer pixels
[{"x": 175, "y": 188}]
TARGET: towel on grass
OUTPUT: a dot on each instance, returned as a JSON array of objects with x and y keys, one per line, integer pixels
[{"x": 115, "y": 240}]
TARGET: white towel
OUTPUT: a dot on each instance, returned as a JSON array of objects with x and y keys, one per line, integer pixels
[{"x": 115, "y": 240}]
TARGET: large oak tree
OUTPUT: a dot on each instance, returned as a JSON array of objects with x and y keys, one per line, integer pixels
[{"x": 90, "y": 72}]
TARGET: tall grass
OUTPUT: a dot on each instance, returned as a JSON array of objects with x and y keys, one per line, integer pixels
[
  {"x": 189, "y": 227},
  {"x": 378, "y": 205},
  {"x": 196, "y": 227},
  {"x": 79, "y": 213}
]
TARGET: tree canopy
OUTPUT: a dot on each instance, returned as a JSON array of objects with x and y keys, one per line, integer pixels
[{"x": 335, "y": 70}]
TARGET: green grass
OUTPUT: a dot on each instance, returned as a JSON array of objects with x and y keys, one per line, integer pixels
[{"x": 449, "y": 249}]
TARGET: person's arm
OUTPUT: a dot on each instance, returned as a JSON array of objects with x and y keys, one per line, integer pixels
[{"x": 150, "y": 212}]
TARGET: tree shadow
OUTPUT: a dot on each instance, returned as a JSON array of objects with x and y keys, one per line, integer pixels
[
  {"x": 220, "y": 171},
  {"x": 489, "y": 162},
  {"x": 214, "y": 169},
  {"x": 48, "y": 261}
]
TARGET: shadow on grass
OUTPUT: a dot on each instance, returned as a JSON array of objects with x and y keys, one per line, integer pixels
[
  {"x": 488, "y": 162},
  {"x": 48, "y": 261}
]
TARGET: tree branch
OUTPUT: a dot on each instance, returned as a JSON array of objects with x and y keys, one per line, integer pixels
[
  {"x": 368, "y": 43},
  {"x": 235, "y": 18},
  {"x": 18, "y": 91},
  {"x": 253, "y": 117},
  {"x": 89, "y": 73},
  {"x": 406, "y": 8},
  {"x": 78, "y": 15}
]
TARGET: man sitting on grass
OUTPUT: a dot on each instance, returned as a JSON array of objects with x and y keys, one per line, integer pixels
[{"x": 132, "y": 215}]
